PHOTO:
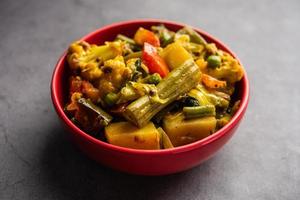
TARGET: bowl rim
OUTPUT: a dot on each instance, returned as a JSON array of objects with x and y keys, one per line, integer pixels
[{"x": 188, "y": 147}]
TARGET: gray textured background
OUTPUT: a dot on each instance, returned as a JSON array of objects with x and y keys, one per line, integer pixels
[{"x": 262, "y": 161}]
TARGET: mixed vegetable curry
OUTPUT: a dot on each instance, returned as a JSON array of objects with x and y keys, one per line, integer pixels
[{"x": 160, "y": 89}]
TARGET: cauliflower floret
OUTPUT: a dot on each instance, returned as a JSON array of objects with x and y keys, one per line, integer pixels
[
  {"x": 115, "y": 74},
  {"x": 230, "y": 70},
  {"x": 88, "y": 58}
]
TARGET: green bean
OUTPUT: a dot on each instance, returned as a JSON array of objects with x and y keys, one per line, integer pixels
[
  {"x": 125, "y": 39},
  {"x": 199, "y": 111},
  {"x": 194, "y": 36},
  {"x": 137, "y": 54}
]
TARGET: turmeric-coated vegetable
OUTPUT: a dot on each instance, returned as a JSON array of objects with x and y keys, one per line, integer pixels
[
  {"x": 175, "y": 55},
  {"x": 152, "y": 88},
  {"x": 88, "y": 58},
  {"x": 182, "y": 131},
  {"x": 178, "y": 82},
  {"x": 143, "y": 35},
  {"x": 166, "y": 142},
  {"x": 153, "y": 61},
  {"x": 199, "y": 111},
  {"x": 127, "y": 135},
  {"x": 212, "y": 82}
]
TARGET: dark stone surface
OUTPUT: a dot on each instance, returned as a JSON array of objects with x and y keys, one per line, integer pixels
[{"x": 262, "y": 161}]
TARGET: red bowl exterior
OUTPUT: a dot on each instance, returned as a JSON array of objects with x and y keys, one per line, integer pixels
[{"x": 143, "y": 162}]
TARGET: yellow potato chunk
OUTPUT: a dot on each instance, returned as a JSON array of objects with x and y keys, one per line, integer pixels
[
  {"x": 127, "y": 135},
  {"x": 181, "y": 131},
  {"x": 175, "y": 55}
]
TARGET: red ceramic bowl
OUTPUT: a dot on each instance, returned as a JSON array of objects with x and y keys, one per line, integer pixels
[{"x": 143, "y": 162}]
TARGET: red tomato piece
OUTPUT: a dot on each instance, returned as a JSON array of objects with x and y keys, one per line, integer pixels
[{"x": 153, "y": 61}]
